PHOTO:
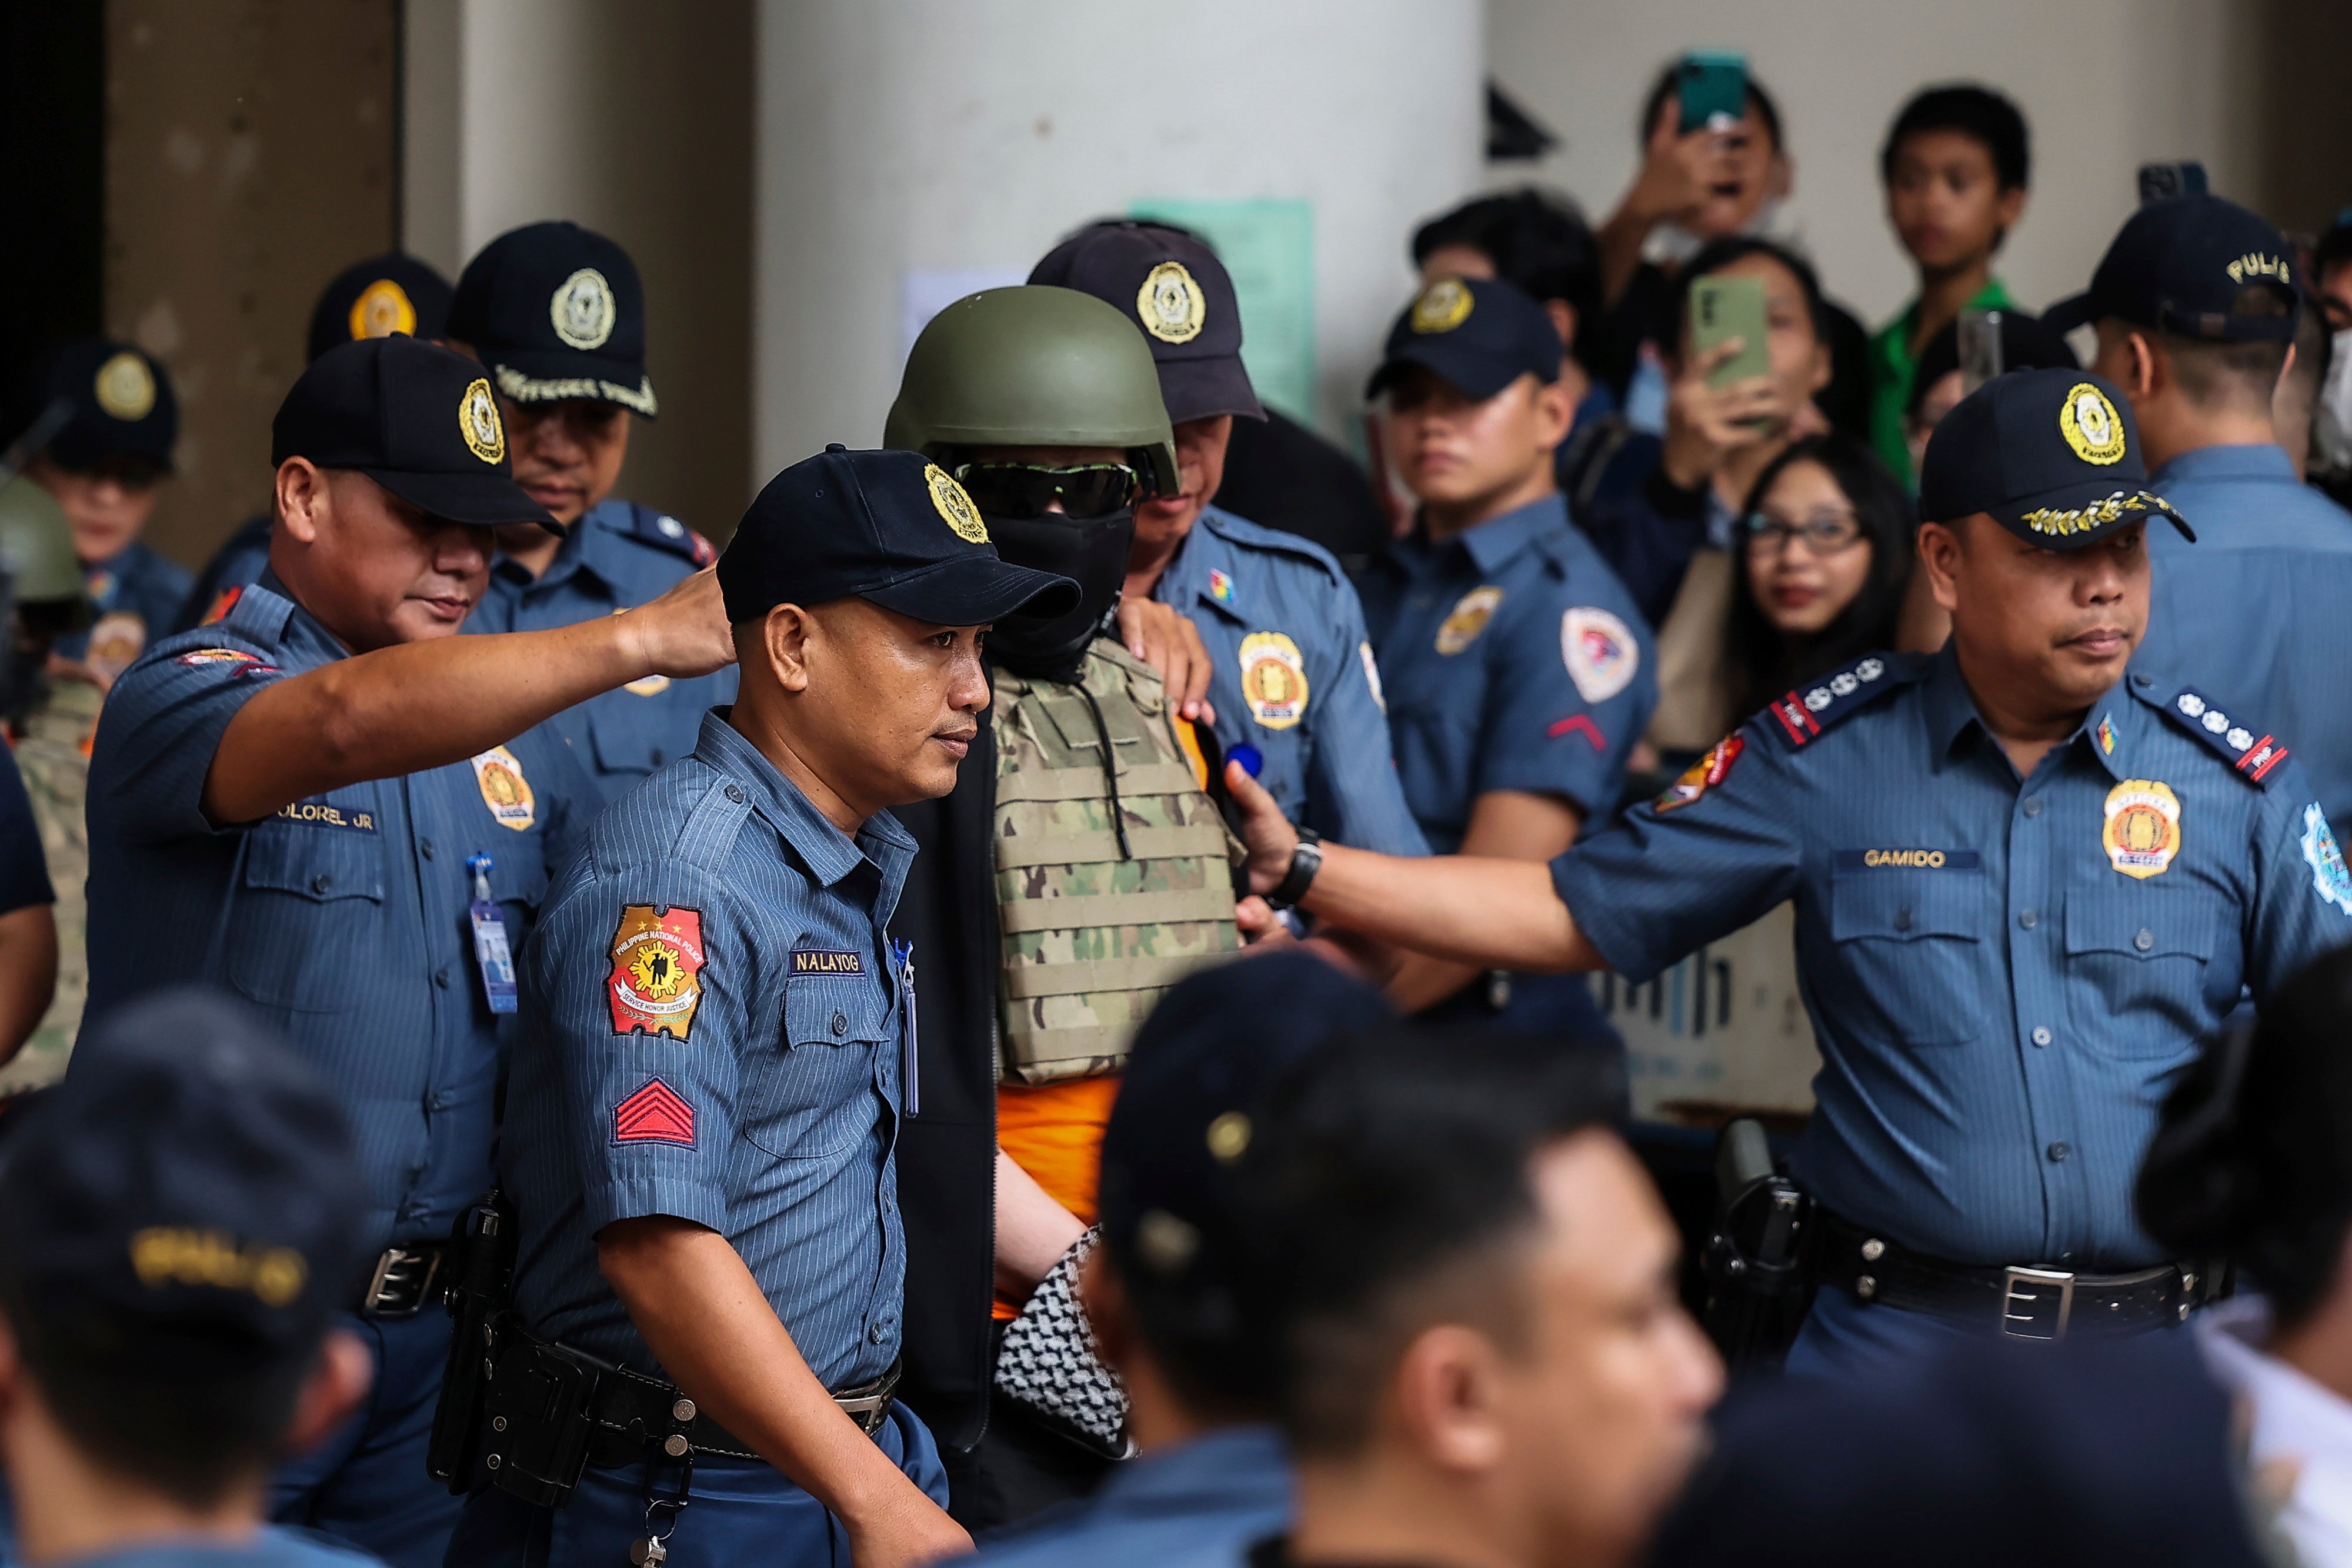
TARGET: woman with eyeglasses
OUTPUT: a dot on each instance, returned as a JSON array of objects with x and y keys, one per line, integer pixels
[{"x": 1823, "y": 557}]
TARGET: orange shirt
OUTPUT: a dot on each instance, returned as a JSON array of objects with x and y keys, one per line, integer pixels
[{"x": 1054, "y": 1131}]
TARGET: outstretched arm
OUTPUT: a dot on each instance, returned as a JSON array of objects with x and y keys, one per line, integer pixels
[{"x": 420, "y": 705}]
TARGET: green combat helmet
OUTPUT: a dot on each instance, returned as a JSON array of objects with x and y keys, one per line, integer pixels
[
  {"x": 37, "y": 546},
  {"x": 1034, "y": 366}
]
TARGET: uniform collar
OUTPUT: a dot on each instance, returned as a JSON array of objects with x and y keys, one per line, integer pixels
[
  {"x": 299, "y": 629},
  {"x": 2253, "y": 460},
  {"x": 1494, "y": 542},
  {"x": 1229, "y": 1467},
  {"x": 1203, "y": 569},
  {"x": 592, "y": 544},
  {"x": 830, "y": 853},
  {"x": 1951, "y": 713}
]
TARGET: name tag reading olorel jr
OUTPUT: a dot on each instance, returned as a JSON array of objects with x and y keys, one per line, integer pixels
[{"x": 827, "y": 961}]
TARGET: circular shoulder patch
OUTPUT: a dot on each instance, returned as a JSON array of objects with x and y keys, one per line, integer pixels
[
  {"x": 1443, "y": 306},
  {"x": 582, "y": 310},
  {"x": 1600, "y": 651},
  {"x": 383, "y": 308},
  {"x": 955, "y": 506},
  {"x": 478, "y": 422},
  {"x": 1170, "y": 305},
  {"x": 2091, "y": 425},
  {"x": 125, "y": 387},
  {"x": 1273, "y": 680}
]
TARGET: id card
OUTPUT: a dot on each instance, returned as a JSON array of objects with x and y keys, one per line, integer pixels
[
  {"x": 492, "y": 955},
  {"x": 902, "y": 959}
]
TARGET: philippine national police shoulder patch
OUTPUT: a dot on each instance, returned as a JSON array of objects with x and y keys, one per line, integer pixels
[
  {"x": 656, "y": 979},
  {"x": 2329, "y": 877},
  {"x": 498, "y": 773},
  {"x": 1601, "y": 652},
  {"x": 1704, "y": 775}
]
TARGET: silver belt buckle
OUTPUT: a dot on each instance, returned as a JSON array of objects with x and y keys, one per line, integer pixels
[
  {"x": 2036, "y": 1303},
  {"x": 388, "y": 1291}
]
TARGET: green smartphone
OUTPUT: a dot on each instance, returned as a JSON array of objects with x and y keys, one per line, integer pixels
[
  {"x": 1725, "y": 307},
  {"x": 1713, "y": 86}
]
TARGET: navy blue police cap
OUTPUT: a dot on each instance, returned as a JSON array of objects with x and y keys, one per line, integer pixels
[
  {"x": 2052, "y": 455},
  {"x": 1179, "y": 294},
  {"x": 892, "y": 527},
  {"x": 120, "y": 405},
  {"x": 2196, "y": 267},
  {"x": 1173, "y": 1204},
  {"x": 189, "y": 1194},
  {"x": 378, "y": 297},
  {"x": 558, "y": 313},
  {"x": 416, "y": 418},
  {"x": 1480, "y": 334}
]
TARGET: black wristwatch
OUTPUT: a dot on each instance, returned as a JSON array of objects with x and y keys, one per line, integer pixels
[{"x": 1305, "y": 861}]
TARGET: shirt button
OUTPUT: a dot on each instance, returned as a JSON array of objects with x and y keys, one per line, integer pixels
[
  {"x": 878, "y": 1333},
  {"x": 2032, "y": 805},
  {"x": 2028, "y": 919},
  {"x": 441, "y": 978},
  {"x": 2143, "y": 680},
  {"x": 2145, "y": 940},
  {"x": 735, "y": 793},
  {"x": 2042, "y": 1036},
  {"x": 322, "y": 882},
  {"x": 425, "y": 847},
  {"x": 1902, "y": 919},
  {"x": 841, "y": 1023},
  {"x": 658, "y": 756},
  {"x": 2059, "y": 1152}
]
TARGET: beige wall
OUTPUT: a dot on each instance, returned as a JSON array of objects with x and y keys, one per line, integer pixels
[
  {"x": 249, "y": 159},
  {"x": 2106, "y": 84},
  {"x": 634, "y": 120}
]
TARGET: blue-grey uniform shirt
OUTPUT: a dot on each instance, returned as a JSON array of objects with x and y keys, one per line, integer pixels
[
  {"x": 616, "y": 557},
  {"x": 714, "y": 1032},
  {"x": 1294, "y": 675},
  {"x": 1514, "y": 660},
  {"x": 343, "y": 918},
  {"x": 2005, "y": 976},
  {"x": 2260, "y": 601},
  {"x": 137, "y": 594},
  {"x": 1200, "y": 1504}
]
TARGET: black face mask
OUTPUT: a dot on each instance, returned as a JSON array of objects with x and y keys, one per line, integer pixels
[{"x": 1091, "y": 551}]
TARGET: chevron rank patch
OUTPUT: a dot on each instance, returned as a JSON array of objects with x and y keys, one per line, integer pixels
[{"x": 657, "y": 1114}]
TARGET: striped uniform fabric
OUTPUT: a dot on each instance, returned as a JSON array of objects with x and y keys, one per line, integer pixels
[
  {"x": 2005, "y": 975},
  {"x": 342, "y": 918},
  {"x": 713, "y": 1031}
]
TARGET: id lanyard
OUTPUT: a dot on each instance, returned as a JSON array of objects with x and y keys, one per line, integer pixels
[
  {"x": 491, "y": 954},
  {"x": 902, "y": 959}
]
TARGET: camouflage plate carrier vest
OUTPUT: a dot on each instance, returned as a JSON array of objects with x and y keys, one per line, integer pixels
[{"x": 1092, "y": 937}]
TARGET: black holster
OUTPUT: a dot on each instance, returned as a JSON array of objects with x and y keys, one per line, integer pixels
[
  {"x": 482, "y": 1245},
  {"x": 1758, "y": 1284}
]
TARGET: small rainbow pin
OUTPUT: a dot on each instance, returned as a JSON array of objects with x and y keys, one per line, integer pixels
[
  {"x": 1221, "y": 588},
  {"x": 2106, "y": 735}
]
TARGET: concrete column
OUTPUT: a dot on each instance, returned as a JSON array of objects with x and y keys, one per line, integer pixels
[{"x": 906, "y": 148}]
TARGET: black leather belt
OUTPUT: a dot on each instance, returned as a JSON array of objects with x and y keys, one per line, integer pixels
[
  {"x": 633, "y": 1413},
  {"x": 2020, "y": 1302},
  {"x": 403, "y": 1278}
]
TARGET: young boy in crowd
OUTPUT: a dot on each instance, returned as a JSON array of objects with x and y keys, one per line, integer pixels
[{"x": 1955, "y": 166}]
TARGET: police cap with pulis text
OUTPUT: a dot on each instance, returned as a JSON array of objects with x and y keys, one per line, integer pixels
[
  {"x": 2053, "y": 456},
  {"x": 2195, "y": 267},
  {"x": 891, "y": 527}
]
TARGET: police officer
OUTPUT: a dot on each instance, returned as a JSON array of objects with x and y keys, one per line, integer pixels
[
  {"x": 1079, "y": 868},
  {"x": 1519, "y": 673},
  {"x": 559, "y": 317},
  {"x": 329, "y": 805},
  {"x": 2196, "y": 306},
  {"x": 175, "y": 1224},
  {"x": 711, "y": 1084},
  {"x": 1293, "y": 674},
  {"x": 1173, "y": 1292},
  {"x": 50, "y": 721},
  {"x": 104, "y": 463},
  {"x": 2028, "y": 874},
  {"x": 371, "y": 299}
]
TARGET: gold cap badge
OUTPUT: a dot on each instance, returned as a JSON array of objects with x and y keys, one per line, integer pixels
[
  {"x": 478, "y": 422},
  {"x": 2091, "y": 425},
  {"x": 582, "y": 310},
  {"x": 382, "y": 309},
  {"x": 1443, "y": 306},
  {"x": 125, "y": 387},
  {"x": 1170, "y": 305},
  {"x": 955, "y": 506}
]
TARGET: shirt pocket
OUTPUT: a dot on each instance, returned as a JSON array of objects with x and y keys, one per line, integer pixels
[
  {"x": 2139, "y": 968},
  {"x": 1910, "y": 945},
  {"x": 812, "y": 1095},
  {"x": 309, "y": 904}
]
